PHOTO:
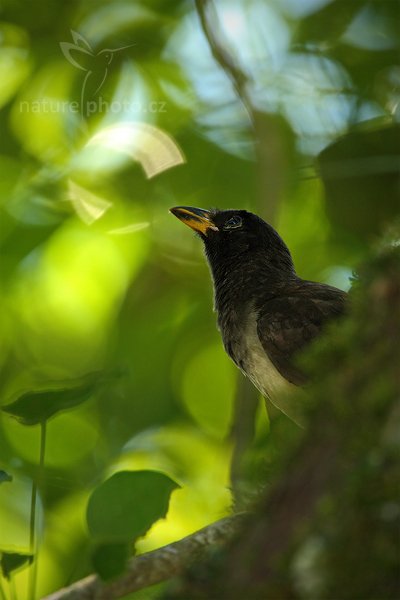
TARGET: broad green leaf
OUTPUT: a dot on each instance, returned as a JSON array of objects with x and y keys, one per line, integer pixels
[
  {"x": 125, "y": 506},
  {"x": 37, "y": 406},
  {"x": 5, "y": 477},
  {"x": 109, "y": 560},
  {"x": 12, "y": 561},
  {"x": 355, "y": 170},
  {"x": 329, "y": 22},
  {"x": 208, "y": 389}
]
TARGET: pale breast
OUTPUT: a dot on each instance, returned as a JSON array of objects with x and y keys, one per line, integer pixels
[
  {"x": 252, "y": 359},
  {"x": 259, "y": 367}
]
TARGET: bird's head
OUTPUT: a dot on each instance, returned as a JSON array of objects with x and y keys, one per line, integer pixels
[{"x": 236, "y": 235}]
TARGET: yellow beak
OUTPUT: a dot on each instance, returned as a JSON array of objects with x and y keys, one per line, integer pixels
[{"x": 197, "y": 218}]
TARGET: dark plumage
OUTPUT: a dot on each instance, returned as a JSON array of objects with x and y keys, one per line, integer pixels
[{"x": 266, "y": 313}]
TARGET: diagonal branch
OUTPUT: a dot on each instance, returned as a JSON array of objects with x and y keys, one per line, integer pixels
[
  {"x": 156, "y": 566},
  {"x": 271, "y": 167},
  {"x": 267, "y": 129},
  {"x": 238, "y": 77}
]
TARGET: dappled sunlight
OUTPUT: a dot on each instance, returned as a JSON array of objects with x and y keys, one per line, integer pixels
[
  {"x": 110, "y": 350},
  {"x": 314, "y": 93},
  {"x": 127, "y": 229},
  {"x": 154, "y": 149},
  {"x": 198, "y": 463},
  {"x": 14, "y": 514},
  {"x": 131, "y": 100},
  {"x": 89, "y": 207},
  {"x": 207, "y": 390},
  {"x": 65, "y": 530},
  {"x": 371, "y": 29},
  {"x": 41, "y": 115},
  {"x": 119, "y": 16},
  {"x": 190, "y": 510},
  {"x": 15, "y": 62},
  {"x": 70, "y": 439},
  {"x": 256, "y": 32},
  {"x": 75, "y": 286}
]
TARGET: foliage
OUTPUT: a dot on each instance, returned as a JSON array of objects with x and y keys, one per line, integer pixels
[
  {"x": 11, "y": 561},
  {"x": 36, "y": 407},
  {"x": 111, "y": 113},
  {"x": 326, "y": 526}
]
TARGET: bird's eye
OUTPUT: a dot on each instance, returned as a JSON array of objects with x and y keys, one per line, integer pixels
[{"x": 233, "y": 223}]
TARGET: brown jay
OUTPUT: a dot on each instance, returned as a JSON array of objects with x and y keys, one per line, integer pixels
[{"x": 266, "y": 313}]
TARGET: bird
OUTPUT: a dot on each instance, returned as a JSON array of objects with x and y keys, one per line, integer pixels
[
  {"x": 96, "y": 64},
  {"x": 266, "y": 313}
]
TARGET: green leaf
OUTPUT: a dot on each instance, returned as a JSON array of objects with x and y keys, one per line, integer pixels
[
  {"x": 211, "y": 403},
  {"x": 12, "y": 561},
  {"x": 36, "y": 407},
  {"x": 125, "y": 506},
  {"x": 330, "y": 22},
  {"x": 109, "y": 560},
  {"x": 360, "y": 172},
  {"x": 5, "y": 477}
]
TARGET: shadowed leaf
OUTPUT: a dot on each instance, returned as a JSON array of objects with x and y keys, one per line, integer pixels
[
  {"x": 330, "y": 21},
  {"x": 36, "y": 407},
  {"x": 109, "y": 560},
  {"x": 5, "y": 477},
  {"x": 12, "y": 561},
  {"x": 360, "y": 172},
  {"x": 125, "y": 506}
]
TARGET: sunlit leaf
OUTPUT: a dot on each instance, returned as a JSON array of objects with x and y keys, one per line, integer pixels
[
  {"x": 38, "y": 119},
  {"x": 15, "y": 61},
  {"x": 109, "y": 560},
  {"x": 15, "y": 500},
  {"x": 12, "y": 561},
  {"x": 5, "y": 477},
  {"x": 68, "y": 441},
  {"x": 208, "y": 387},
  {"x": 184, "y": 452},
  {"x": 37, "y": 406},
  {"x": 125, "y": 506}
]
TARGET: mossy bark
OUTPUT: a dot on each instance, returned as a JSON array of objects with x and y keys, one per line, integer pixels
[{"x": 328, "y": 526}]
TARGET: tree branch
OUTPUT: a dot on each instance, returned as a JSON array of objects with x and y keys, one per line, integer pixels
[
  {"x": 154, "y": 567},
  {"x": 238, "y": 77},
  {"x": 267, "y": 131},
  {"x": 271, "y": 167}
]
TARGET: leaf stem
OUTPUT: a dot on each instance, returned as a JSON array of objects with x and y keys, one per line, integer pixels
[
  {"x": 13, "y": 591},
  {"x": 2, "y": 592},
  {"x": 32, "y": 532}
]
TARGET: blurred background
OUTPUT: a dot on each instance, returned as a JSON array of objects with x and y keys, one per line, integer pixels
[{"x": 111, "y": 113}]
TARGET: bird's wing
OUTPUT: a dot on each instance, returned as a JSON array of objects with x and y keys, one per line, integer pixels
[{"x": 286, "y": 324}]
